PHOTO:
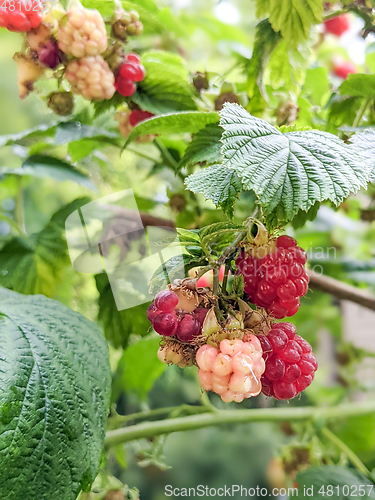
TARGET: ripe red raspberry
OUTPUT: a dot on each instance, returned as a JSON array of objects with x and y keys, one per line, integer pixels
[
  {"x": 290, "y": 364},
  {"x": 124, "y": 86},
  {"x": 233, "y": 370},
  {"x": 338, "y": 25},
  {"x": 138, "y": 116},
  {"x": 91, "y": 77},
  {"x": 82, "y": 33},
  {"x": 277, "y": 280},
  {"x": 342, "y": 70},
  {"x": 166, "y": 300},
  {"x": 20, "y": 16}
]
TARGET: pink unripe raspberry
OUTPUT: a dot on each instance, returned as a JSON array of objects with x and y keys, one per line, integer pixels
[
  {"x": 231, "y": 347},
  {"x": 91, "y": 77},
  {"x": 206, "y": 356},
  {"x": 83, "y": 34},
  {"x": 222, "y": 365},
  {"x": 235, "y": 371}
]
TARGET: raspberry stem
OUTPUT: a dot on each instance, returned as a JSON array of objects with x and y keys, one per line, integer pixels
[{"x": 219, "y": 417}]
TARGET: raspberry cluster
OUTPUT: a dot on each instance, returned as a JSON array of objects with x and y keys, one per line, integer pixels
[
  {"x": 21, "y": 16},
  {"x": 169, "y": 320},
  {"x": 277, "y": 280},
  {"x": 83, "y": 34},
  {"x": 233, "y": 370},
  {"x": 91, "y": 77},
  {"x": 130, "y": 71},
  {"x": 290, "y": 364}
]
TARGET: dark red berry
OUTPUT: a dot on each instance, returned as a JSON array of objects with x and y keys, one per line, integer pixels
[
  {"x": 133, "y": 57},
  {"x": 165, "y": 324},
  {"x": 166, "y": 300},
  {"x": 200, "y": 315},
  {"x": 132, "y": 71},
  {"x": 50, "y": 55},
  {"x": 125, "y": 86},
  {"x": 138, "y": 116},
  {"x": 152, "y": 312},
  {"x": 290, "y": 364},
  {"x": 188, "y": 328}
]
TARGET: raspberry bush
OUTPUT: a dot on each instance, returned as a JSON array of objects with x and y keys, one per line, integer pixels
[{"x": 251, "y": 166}]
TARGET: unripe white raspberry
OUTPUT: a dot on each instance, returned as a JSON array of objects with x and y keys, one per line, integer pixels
[
  {"x": 91, "y": 77},
  {"x": 122, "y": 117},
  {"x": 233, "y": 370},
  {"x": 82, "y": 33}
]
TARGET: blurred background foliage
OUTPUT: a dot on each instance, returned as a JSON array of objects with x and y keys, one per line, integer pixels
[{"x": 216, "y": 37}]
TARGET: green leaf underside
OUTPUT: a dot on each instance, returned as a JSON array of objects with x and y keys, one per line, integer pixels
[
  {"x": 174, "y": 123},
  {"x": 347, "y": 480},
  {"x": 119, "y": 325},
  {"x": 54, "y": 397},
  {"x": 34, "y": 264},
  {"x": 294, "y": 18},
  {"x": 364, "y": 142},
  {"x": 358, "y": 85},
  {"x": 48, "y": 166},
  {"x": 204, "y": 147},
  {"x": 289, "y": 172},
  {"x": 216, "y": 183}
]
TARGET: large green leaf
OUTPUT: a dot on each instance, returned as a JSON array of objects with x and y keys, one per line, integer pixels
[
  {"x": 204, "y": 147},
  {"x": 166, "y": 87},
  {"x": 54, "y": 397},
  {"x": 364, "y": 142},
  {"x": 174, "y": 123},
  {"x": 119, "y": 325},
  {"x": 217, "y": 183},
  {"x": 343, "y": 483},
  {"x": 289, "y": 172},
  {"x": 34, "y": 264},
  {"x": 139, "y": 368},
  {"x": 49, "y": 166},
  {"x": 359, "y": 84}
]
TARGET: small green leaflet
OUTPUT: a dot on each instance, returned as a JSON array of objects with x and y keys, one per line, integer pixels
[
  {"x": 119, "y": 325},
  {"x": 289, "y": 172},
  {"x": 204, "y": 147},
  {"x": 364, "y": 142},
  {"x": 139, "y": 368},
  {"x": 216, "y": 237},
  {"x": 293, "y": 18},
  {"x": 344, "y": 482},
  {"x": 55, "y": 384},
  {"x": 217, "y": 183},
  {"x": 359, "y": 85},
  {"x": 174, "y": 123}
]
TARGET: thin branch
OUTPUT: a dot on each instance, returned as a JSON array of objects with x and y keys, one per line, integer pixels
[
  {"x": 219, "y": 417},
  {"x": 231, "y": 248},
  {"x": 341, "y": 290},
  {"x": 119, "y": 420},
  {"x": 335, "y": 14},
  {"x": 355, "y": 460}
]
